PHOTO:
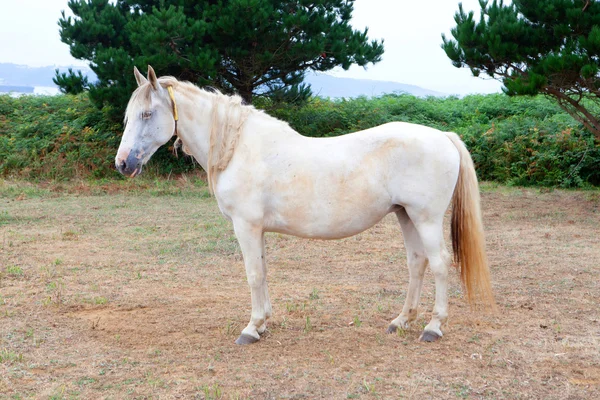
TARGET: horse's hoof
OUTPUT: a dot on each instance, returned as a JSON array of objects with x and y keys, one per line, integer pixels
[
  {"x": 429, "y": 336},
  {"x": 391, "y": 329},
  {"x": 245, "y": 339}
]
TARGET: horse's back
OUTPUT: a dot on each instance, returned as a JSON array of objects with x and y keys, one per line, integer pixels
[
  {"x": 422, "y": 163},
  {"x": 336, "y": 187}
]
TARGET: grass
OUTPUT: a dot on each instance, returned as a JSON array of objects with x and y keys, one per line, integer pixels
[
  {"x": 136, "y": 309},
  {"x": 14, "y": 271},
  {"x": 307, "y": 325},
  {"x": 211, "y": 392},
  {"x": 8, "y": 356},
  {"x": 314, "y": 295}
]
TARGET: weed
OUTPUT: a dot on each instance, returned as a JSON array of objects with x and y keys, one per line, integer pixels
[
  {"x": 461, "y": 390},
  {"x": 314, "y": 295},
  {"x": 70, "y": 235},
  {"x": 368, "y": 387},
  {"x": 211, "y": 392},
  {"x": 48, "y": 272},
  {"x": 401, "y": 332},
  {"x": 307, "y": 325},
  {"x": 59, "y": 393},
  {"x": 154, "y": 352},
  {"x": 329, "y": 357},
  {"x": 356, "y": 322},
  {"x": 474, "y": 339},
  {"x": 284, "y": 322},
  {"x": 55, "y": 290},
  {"x": 293, "y": 307},
  {"x": 153, "y": 381},
  {"x": 557, "y": 327},
  {"x": 231, "y": 328},
  {"x": 85, "y": 381},
  {"x": 100, "y": 300},
  {"x": 8, "y": 356},
  {"x": 14, "y": 270},
  {"x": 5, "y": 218},
  {"x": 29, "y": 333}
]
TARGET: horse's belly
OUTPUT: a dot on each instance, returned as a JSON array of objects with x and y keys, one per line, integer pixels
[{"x": 325, "y": 218}]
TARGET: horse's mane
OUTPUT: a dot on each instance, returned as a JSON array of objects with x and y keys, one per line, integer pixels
[
  {"x": 226, "y": 128},
  {"x": 228, "y": 117}
]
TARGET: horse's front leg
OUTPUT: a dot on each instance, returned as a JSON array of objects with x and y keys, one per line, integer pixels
[{"x": 251, "y": 240}]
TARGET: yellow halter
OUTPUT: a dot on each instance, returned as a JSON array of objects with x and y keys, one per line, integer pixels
[{"x": 175, "y": 115}]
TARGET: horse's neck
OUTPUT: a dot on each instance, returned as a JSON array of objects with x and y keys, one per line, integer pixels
[
  {"x": 211, "y": 125},
  {"x": 193, "y": 127}
]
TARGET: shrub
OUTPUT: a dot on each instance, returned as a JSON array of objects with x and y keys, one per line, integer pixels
[
  {"x": 513, "y": 140},
  {"x": 61, "y": 137}
]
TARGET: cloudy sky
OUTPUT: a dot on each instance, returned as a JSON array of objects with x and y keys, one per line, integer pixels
[{"x": 411, "y": 31}]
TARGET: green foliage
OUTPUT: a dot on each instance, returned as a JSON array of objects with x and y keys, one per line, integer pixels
[
  {"x": 62, "y": 137},
  {"x": 550, "y": 47},
  {"x": 71, "y": 83},
  {"x": 245, "y": 46},
  {"x": 520, "y": 141},
  {"x": 514, "y": 140}
]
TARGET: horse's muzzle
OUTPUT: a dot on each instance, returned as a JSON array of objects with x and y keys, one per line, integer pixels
[{"x": 131, "y": 166}]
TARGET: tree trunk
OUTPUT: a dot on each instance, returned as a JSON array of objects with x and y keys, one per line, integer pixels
[
  {"x": 246, "y": 94},
  {"x": 577, "y": 111}
]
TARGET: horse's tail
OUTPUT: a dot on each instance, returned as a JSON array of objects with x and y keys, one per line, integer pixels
[{"x": 468, "y": 239}]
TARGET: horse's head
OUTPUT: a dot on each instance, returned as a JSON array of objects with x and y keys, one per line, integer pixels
[{"x": 149, "y": 123}]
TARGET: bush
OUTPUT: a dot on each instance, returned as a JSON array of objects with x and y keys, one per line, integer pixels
[
  {"x": 61, "y": 137},
  {"x": 513, "y": 140}
]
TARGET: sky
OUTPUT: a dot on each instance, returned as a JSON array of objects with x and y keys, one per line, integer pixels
[{"x": 411, "y": 31}]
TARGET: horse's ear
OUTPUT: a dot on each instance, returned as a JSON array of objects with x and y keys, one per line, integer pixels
[
  {"x": 139, "y": 77},
  {"x": 152, "y": 78}
]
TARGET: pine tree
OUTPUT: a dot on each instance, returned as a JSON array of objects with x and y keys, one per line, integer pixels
[
  {"x": 550, "y": 47},
  {"x": 71, "y": 82},
  {"x": 252, "y": 47}
]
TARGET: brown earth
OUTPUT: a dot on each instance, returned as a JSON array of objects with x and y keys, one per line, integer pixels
[{"x": 138, "y": 291}]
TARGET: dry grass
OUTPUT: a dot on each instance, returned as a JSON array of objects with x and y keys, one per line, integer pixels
[{"x": 137, "y": 290}]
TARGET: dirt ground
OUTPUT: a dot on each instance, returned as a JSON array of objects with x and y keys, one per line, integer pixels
[{"x": 138, "y": 291}]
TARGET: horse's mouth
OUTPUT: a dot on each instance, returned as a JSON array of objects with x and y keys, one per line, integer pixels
[
  {"x": 132, "y": 165},
  {"x": 136, "y": 172}
]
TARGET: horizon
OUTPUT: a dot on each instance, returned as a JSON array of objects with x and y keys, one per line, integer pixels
[{"x": 322, "y": 84}]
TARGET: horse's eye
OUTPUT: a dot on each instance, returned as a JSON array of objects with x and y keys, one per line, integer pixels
[{"x": 147, "y": 115}]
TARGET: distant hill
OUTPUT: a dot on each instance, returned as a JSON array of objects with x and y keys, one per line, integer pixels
[
  {"x": 322, "y": 84},
  {"x": 23, "y": 75},
  {"x": 16, "y": 89},
  {"x": 329, "y": 86}
]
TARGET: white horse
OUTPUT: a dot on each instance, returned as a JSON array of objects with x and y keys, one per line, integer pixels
[{"x": 268, "y": 178}]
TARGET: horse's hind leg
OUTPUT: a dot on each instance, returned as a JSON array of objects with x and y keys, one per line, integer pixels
[
  {"x": 417, "y": 261},
  {"x": 432, "y": 236},
  {"x": 251, "y": 240}
]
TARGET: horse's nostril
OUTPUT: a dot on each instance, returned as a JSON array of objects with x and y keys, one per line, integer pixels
[{"x": 122, "y": 165}]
